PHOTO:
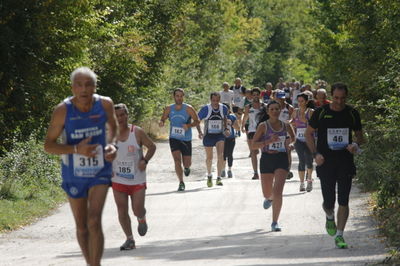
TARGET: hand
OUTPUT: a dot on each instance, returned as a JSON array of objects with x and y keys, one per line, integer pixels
[
  {"x": 227, "y": 132},
  {"x": 291, "y": 147},
  {"x": 274, "y": 138},
  {"x": 185, "y": 127},
  {"x": 88, "y": 150},
  {"x": 319, "y": 159},
  {"x": 353, "y": 148},
  {"x": 201, "y": 135},
  {"x": 110, "y": 153},
  {"x": 142, "y": 165},
  {"x": 161, "y": 123}
]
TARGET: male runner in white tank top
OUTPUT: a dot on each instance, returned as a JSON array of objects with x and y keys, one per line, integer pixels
[{"x": 129, "y": 174}]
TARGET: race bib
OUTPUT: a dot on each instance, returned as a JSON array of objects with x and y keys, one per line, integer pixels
[
  {"x": 125, "y": 169},
  {"x": 237, "y": 99},
  {"x": 214, "y": 126},
  {"x": 86, "y": 166},
  {"x": 279, "y": 145},
  {"x": 177, "y": 132},
  {"x": 338, "y": 138},
  {"x": 300, "y": 134}
]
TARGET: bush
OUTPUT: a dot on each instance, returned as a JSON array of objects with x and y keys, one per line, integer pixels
[
  {"x": 27, "y": 171},
  {"x": 379, "y": 165}
]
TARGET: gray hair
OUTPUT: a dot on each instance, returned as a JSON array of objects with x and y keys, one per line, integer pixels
[
  {"x": 83, "y": 71},
  {"x": 322, "y": 90}
]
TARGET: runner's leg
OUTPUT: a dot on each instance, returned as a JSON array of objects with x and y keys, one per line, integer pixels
[
  {"x": 122, "y": 202},
  {"x": 79, "y": 210},
  {"x": 97, "y": 197},
  {"x": 279, "y": 183},
  {"x": 178, "y": 164}
]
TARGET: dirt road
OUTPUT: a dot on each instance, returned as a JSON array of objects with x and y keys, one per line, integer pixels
[{"x": 207, "y": 226}]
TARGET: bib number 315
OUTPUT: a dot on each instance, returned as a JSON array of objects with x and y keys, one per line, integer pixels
[{"x": 88, "y": 166}]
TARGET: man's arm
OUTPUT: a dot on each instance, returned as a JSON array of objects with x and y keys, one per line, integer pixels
[
  {"x": 112, "y": 124},
  {"x": 245, "y": 117},
  {"x": 54, "y": 131},
  {"x": 194, "y": 117},
  {"x": 164, "y": 117},
  {"x": 144, "y": 140},
  {"x": 113, "y": 129}
]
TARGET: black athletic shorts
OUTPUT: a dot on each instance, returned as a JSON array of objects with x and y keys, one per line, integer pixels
[
  {"x": 250, "y": 135},
  {"x": 185, "y": 147},
  {"x": 269, "y": 162},
  {"x": 340, "y": 171}
]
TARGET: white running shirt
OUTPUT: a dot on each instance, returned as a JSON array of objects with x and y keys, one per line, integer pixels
[{"x": 125, "y": 166}]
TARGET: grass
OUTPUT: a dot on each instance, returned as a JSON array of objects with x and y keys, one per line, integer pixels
[{"x": 17, "y": 212}]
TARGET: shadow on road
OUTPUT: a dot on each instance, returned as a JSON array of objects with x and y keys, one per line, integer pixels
[
  {"x": 257, "y": 244},
  {"x": 183, "y": 192}
]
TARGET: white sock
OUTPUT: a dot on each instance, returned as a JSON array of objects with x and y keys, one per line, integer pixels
[
  {"x": 330, "y": 217},
  {"x": 339, "y": 233}
]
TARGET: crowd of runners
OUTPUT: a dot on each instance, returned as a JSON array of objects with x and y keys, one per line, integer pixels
[{"x": 100, "y": 148}]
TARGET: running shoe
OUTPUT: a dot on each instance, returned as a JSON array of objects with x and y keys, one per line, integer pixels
[
  {"x": 330, "y": 227},
  {"x": 267, "y": 203},
  {"x": 219, "y": 182},
  {"x": 186, "y": 171},
  {"x": 290, "y": 175},
  {"x": 340, "y": 243},
  {"x": 255, "y": 176},
  {"x": 129, "y": 244},
  {"x": 181, "y": 186},
  {"x": 275, "y": 227},
  {"x": 142, "y": 227},
  {"x": 209, "y": 181},
  {"x": 230, "y": 174},
  {"x": 309, "y": 186},
  {"x": 302, "y": 187},
  {"x": 223, "y": 173}
]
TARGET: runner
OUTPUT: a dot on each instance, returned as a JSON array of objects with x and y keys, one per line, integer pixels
[
  {"x": 180, "y": 115},
  {"x": 286, "y": 113},
  {"x": 215, "y": 130},
  {"x": 266, "y": 95},
  {"x": 227, "y": 95},
  {"x": 251, "y": 115},
  {"x": 129, "y": 174},
  {"x": 321, "y": 98},
  {"x": 248, "y": 99},
  {"x": 294, "y": 92},
  {"x": 271, "y": 137},
  {"x": 87, "y": 154},
  {"x": 238, "y": 93},
  {"x": 334, "y": 155},
  {"x": 300, "y": 118},
  {"x": 230, "y": 142}
]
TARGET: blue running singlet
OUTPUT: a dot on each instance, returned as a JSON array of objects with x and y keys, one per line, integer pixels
[
  {"x": 78, "y": 126},
  {"x": 177, "y": 119}
]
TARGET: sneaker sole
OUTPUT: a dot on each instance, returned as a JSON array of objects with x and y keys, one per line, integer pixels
[{"x": 142, "y": 229}]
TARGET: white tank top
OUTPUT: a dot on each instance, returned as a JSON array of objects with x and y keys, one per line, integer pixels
[
  {"x": 253, "y": 118},
  {"x": 284, "y": 116},
  {"x": 125, "y": 166}
]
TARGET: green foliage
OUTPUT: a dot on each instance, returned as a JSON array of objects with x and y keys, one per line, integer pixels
[
  {"x": 379, "y": 167},
  {"x": 29, "y": 184},
  {"x": 27, "y": 171}
]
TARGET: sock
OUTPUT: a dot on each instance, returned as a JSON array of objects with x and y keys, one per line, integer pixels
[
  {"x": 130, "y": 237},
  {"x": 143, "y": 219},
  {"x": 339, "y": 233},
  {"x": 229, "y": 168},
  {"x": 330, "y": 217}
]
